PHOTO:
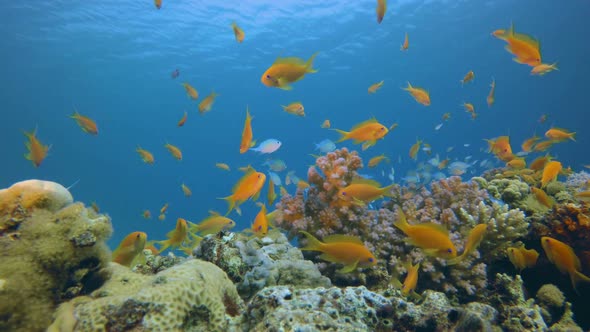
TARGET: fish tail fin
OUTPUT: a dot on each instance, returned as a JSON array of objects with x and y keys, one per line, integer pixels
[
  {"x": 572, "y": 136},
  {"x": 312, "y": 243},
  {"x": 386, "y": 191},
  {"x": 309, "y": 64},
  {"x": 231, "y": 202},
  {"x": 401, "y": 222},
  {"x": 344, "y": 134},
  {"x": 455, "y": 260},
  {"x": 165, "y": 244},
  {"x": 576, "y": 277}
]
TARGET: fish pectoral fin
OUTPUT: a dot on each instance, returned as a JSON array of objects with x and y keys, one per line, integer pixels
[
  {"x": 368, "y": 144},
  {"x": 431, "y": 252},
  {"x": 348, "y": 268},
  {"x": 396, "y": 283}
]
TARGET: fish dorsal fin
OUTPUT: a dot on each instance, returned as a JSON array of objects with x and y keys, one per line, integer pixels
[
  {"x": 214, "y": 213},
  {"x": 291, "y": 61},
  {"x": 342, "y": 238},
  {"x": 364, "y": 123},
  {"x": 249, "y": 171},
  {"x": 437, "y": 227},
  {"x": 366, "y": 182}
]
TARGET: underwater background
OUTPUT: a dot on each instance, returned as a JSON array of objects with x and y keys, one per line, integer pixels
[{"x": 112, "y": 61}]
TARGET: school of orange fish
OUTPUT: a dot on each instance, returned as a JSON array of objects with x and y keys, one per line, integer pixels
[{"x": 343, "y": 249}]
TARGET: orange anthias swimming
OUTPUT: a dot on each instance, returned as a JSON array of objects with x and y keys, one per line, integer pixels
[
  {"x": 213, "y": 224},
  {"x": 524, "y": 47},
  {"x": 490, "y": 99},
  {"x": 564, "y": 258},
  {"x": 145, "y": 155},
  {"x": 37, "y": 151},
  {"x": 176, "y": 236},
  {"x": 131, "y": 246},
  {"x": 473, "y": 240},
  {"x": 550, "y": 172},
  {"x": 420, "y": 95},
  {"x": 381, "y": 8},
  {"x": 190, "y": 91},
  {"x": 501, "y": 148},
  {"x": 206, "y": 104},
  {"x": 174, "y": 151},
  {"x": 260, "y": 224},
  {"x": 86, "y": 124},
  {"x": 406, "y": 43},
  {"x": 343, "y": 249},
  {"x": 368, "y": 132},
  {"x": 363, "y": 191},
  {"x": 432, "y": 238},
  {"x": 247, "y": 134},
  {"x": 238, "y": 32},
  {"x": 374, "y": 87},
  {"x": 285, "y": 71},
  {"x": 247, "y": 187}
]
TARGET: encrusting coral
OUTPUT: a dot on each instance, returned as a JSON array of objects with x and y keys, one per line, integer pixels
[
  {"x": 50, "y": 250},
  {"x": 458, "y": 206}
]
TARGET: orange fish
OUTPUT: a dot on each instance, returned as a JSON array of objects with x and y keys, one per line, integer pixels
[
  {"x": 468, "y": 77},
  {"x": 446, "y": 116},
  {"x": 158, "y": 3},
  {"x": 516, "y": 163},
  {"x": 248, "y": 187},
  {"x": 542, "y": 197},
  {"x": 326, "y": 124},
  {"x": 543, "y": 146},
  {"x": 374, "y": 87},
  {"x": 564, "y": 258},
  {"x": 527, "y": 145},
  {"x": 285, "y": 71},
  {"x": 443, "y": 164},
  {"x": 381, "y": 8},
  {"x": 406, "y": 44},
  {"x": 501, "y": 148},
  {"x": 146, "y": 214},
  {"x": 343, "y": 249},
  {"x": 145, "y": 155},
  {"x": 368, "y": 132},
  {"x": 162, "y": 217},
  {"x": 363, "y": 191},
  {"x": 409, "y": 285},
  {"x": 95, "y": 207},
  {"x": 222, "y": 166},
  {"x": 174, "y": 151},
  {"x": 238, "y": 32},
  {"x": 491, "y": 95},
  {"x": 524, "y": 47},
  {"x": 260, "y": 224},
  {"x": 190, "y": 91},
  {"x": 469, "y": 107},
  {"x": 131, "y": 246},
  {"x": 206, "y": 104},
  {"x": 558, "y": 134},
  {"x": 247, "y": 134},
  {"x": 583, "y": 196},
  {"x": 213, "y": 224},
  {"x": 37, "y": 151},
  {"x": 521, "y": 257},
  {"x": 86, "y": 124},
  {"x": 500, "y": 33},
  {"x": 473, "y": 240},
  {"x": 376, "y": 160},
  {"x": 550, "y": 172},
  {"x": 414, "y": 149},
  {"x": 420, "y": 95},
  {"x": 183, "y": 120},
  {"x": 164, "y": 208},
  {"x": 175, "y": 237},
  {"x": 543, "y": 69},
  {"x": 186, "y": 190},
  {"x": 432, "y": 238},
  {"x": 294, "y": 108},
  {"x": 539, "y": 163}
]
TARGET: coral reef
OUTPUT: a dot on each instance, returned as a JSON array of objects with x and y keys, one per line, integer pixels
[
  {"x": 192, "y": 296},
  {"x": 50, "y": 250},
  {"x": 457, "y": 205},
  {"x": 254, "y": 263},
  {"x": 151, "y": 264}
]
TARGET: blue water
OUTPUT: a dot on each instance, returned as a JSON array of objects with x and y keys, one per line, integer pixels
[{"x": 113, "y": 59}]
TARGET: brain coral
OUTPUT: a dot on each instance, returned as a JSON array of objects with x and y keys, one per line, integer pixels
[{"x": 193, "y": 296}]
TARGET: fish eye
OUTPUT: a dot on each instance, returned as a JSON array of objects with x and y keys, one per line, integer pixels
[
  {"x": 449, "y": 250},
  {"x": 371, "y": 259},
  {"x": 268, "y": 77},
  {"x": 259, "y": 176},
  {"x": 344, "y": 193},
  {"x": 260, "y": 227}
]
